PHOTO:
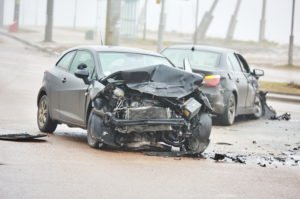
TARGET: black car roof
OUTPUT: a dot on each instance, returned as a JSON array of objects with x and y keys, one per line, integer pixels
[
  {"x": 99, "y": 48},
  {"x": 201, "y": 47}
]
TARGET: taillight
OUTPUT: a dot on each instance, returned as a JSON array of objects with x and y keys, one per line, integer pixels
[{"x": 211, "y": 80}]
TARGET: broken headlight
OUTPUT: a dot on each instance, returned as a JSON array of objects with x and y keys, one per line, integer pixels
[{"x": 191, "y": 108}]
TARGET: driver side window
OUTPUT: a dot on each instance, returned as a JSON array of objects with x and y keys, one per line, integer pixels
[
  {"x": 83, "y": 57},
  {"x": 234, "y": 63}
]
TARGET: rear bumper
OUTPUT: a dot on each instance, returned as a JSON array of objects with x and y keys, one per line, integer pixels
[{"x": 216, "y": 97}]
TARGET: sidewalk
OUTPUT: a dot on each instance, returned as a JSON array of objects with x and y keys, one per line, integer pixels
[{"x": 64, "y": 38}]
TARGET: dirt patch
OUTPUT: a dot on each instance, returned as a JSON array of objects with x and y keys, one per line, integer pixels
[{"x": 280, "y": 87}]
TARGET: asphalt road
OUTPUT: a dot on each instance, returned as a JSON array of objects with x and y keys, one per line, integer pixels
[{"x": 64, "y": 166}]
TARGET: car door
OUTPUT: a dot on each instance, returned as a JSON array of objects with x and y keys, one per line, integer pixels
[
  {"x": 72, "y": 99},
  {"x": 54, "y": 78},
  {"x": 240, "y": 81},
  {"x": 252, "y": 81}
]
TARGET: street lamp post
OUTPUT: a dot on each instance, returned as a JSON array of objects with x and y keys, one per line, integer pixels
[{"x": 291, "y": 45}]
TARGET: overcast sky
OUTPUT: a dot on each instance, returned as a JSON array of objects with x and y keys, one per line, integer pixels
[{"x": 180, "y": 16}]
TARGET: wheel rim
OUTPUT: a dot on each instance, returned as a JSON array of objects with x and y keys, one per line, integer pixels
[
  {"x": 231, "y": 109},
  {"x": 258, "y": 107},
  {"x": 43, "y": 112}
]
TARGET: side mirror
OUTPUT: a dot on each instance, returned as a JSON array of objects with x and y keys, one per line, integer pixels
[
  {"x": 81, "y": 66},
  {"x": 258, "y": 72},
  {"x": 187, "y": 66},
  {"x": 83, "y": 74}
]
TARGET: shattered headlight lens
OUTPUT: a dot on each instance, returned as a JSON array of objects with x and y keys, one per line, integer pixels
[{"x": 191, "y": 108}]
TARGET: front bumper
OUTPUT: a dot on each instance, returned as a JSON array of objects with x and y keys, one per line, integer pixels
[{"x": 150, "y": 122}]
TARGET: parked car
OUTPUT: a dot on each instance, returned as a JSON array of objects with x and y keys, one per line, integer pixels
[
  {"x": 230, "y": 85},
  {"x": 125, "y": 98}
]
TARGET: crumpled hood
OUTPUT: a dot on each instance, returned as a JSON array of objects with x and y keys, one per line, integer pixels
[{"x": 160, "y": 80}]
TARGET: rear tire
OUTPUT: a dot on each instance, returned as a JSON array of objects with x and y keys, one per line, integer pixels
[
  {"x": 45, "y": 123},
  {"x": 229, "y": 114},
  {"x": 258, "y": 108}
]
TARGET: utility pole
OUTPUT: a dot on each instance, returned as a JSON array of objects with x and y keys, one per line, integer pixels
[
  {"x": 206, "y": 21},
  {"x": 262, "y": 22},
  {"x": 17, "y": 12},
  {"x": 233, "y": 21},
  {"x": 49, "y": 21},
  {"x": 161, "y": 27},
  {"x": 291, "y": 45},
  {"x": 1, "y": 12},
  {"x": 196, "y": 22},
  {"x": 75, "y": 14},
  {"x": 145, "y": 20},
  {"x": 112, "y": 33}
]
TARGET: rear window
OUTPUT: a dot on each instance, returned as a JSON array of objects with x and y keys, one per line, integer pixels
[{"x": 198, "y": 59}]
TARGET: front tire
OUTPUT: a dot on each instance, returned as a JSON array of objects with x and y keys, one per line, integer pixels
[
  {"x": 45, "y": 123},
  {"x": 92, "y": 141},
  {"x": 199, "y": 140}
]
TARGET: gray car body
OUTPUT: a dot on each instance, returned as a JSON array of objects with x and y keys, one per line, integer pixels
[
  {"x": 69, "y": 97},
  {"x": 244, "y": 84}
]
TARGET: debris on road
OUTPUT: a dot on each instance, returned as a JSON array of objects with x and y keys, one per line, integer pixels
[
  {"x": 237, "y": 159},
  {"x": 262, "y": 164},
  {"x": 285, "y": 116},
  {"x": 223, "y": 143},
  {"x": 269, "y": 112},
  {"x": 21, "y": 136},
  {"x": 174, "y": 154}
]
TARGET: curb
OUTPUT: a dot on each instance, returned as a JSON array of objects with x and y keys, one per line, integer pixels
[{"x": 27, "y": 43}]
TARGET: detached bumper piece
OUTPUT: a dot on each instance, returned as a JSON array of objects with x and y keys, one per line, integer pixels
[{"x": 21, "y": 137}]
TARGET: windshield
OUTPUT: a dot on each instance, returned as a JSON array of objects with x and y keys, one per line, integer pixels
[
  {"x": 198, "y": 59},
  {"x": 118, "y": 61}
]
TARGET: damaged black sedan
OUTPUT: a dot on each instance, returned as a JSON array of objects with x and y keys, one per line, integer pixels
[{"x": 125, "y": 98}]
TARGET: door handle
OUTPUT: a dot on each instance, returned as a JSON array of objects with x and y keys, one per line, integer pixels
[
  {"x": 63, "y": 80},
  {"x": 237, "y": 80}
]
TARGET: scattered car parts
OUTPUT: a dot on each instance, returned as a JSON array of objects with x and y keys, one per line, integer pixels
[{"x": 21, "y": 136}]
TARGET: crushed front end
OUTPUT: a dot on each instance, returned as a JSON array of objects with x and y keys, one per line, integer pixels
[{"x": 147, "y": 112}]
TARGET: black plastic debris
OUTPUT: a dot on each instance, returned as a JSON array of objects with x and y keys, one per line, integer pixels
[
  {"x": 21, "y": 136},
  {"x": 174, "y": 154},
  {"x": 223, "y": 143},
  {"x": 237, "y": 159},
  {"x": 285, "y": 116},
  {"x": 219, "y": 157},
  {"x": 262, "y": 164}
]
